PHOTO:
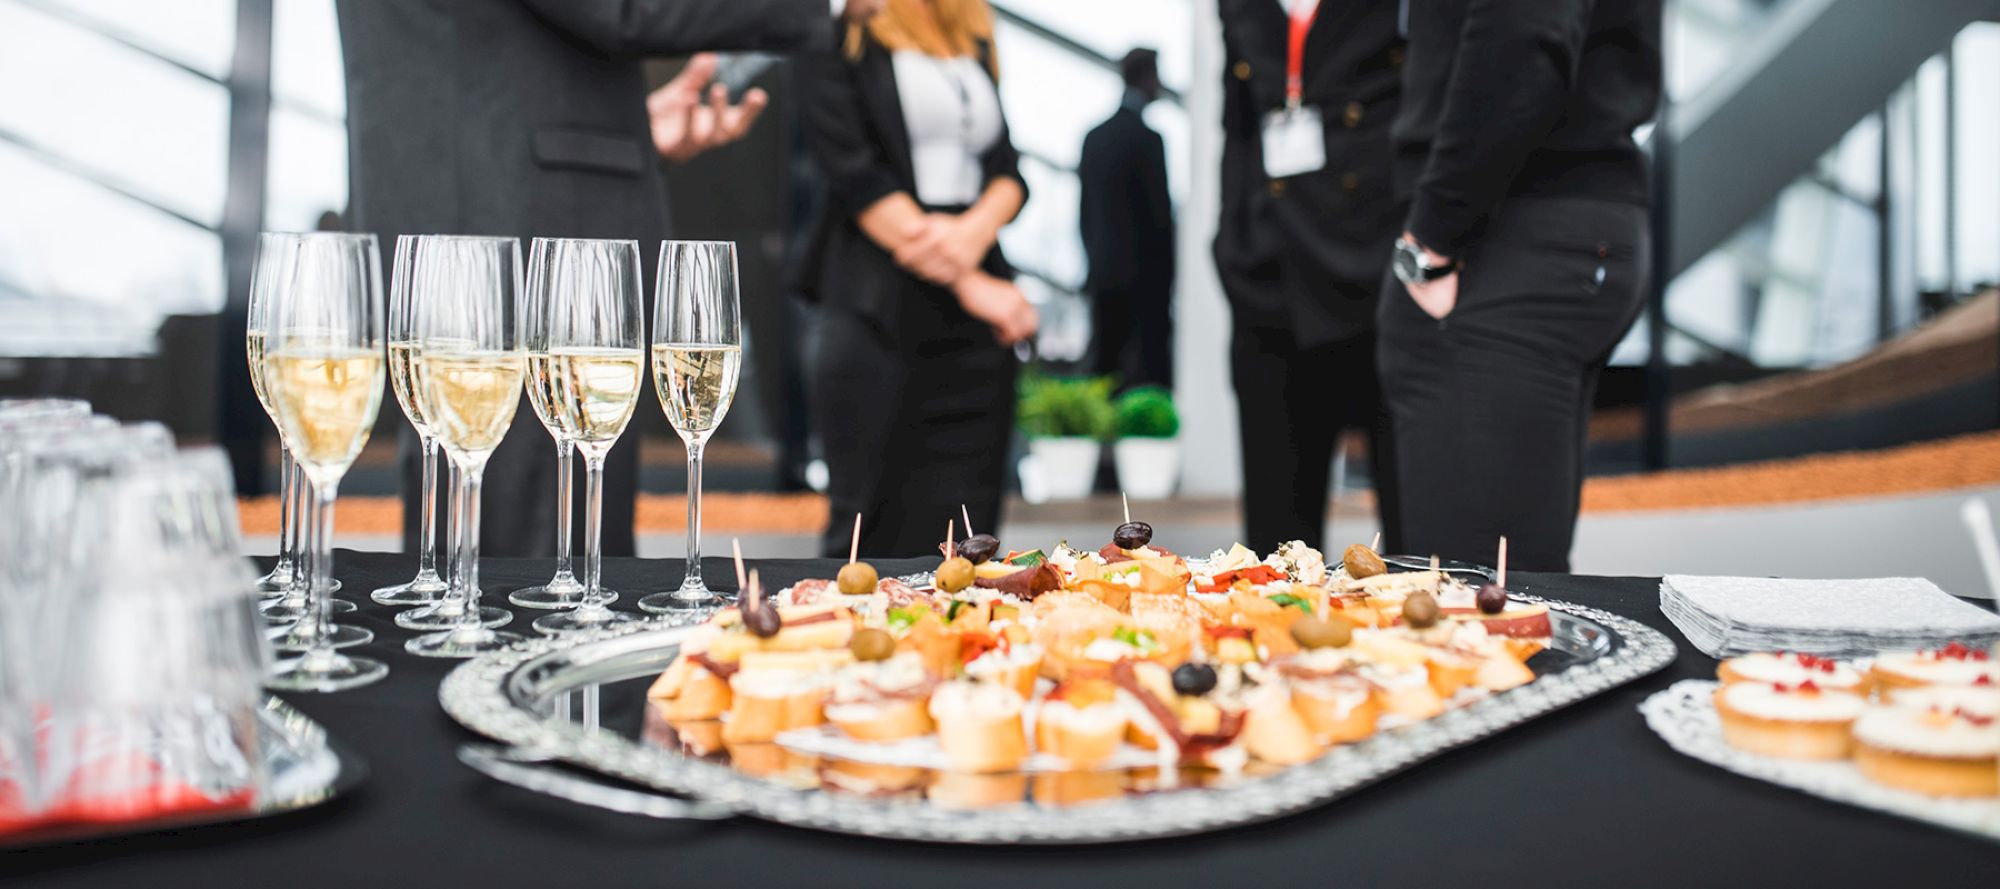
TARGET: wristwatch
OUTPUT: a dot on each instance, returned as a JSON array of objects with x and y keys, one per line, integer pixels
[{"x": 1413, "y": 266}]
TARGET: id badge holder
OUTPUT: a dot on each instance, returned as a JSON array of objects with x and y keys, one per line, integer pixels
[{"x": 1294, "y": 141}]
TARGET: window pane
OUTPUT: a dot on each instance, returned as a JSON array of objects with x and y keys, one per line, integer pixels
[
  {"x": 200, "y": 34},
  {"x": 305, "y": 57},
  {"x": 137, "y": 121},
  {"x": 86, "y": 271},
  {"x": 1115, "y": 27},
  {"x": 308, "y": 172},
  {"x": 1044, "y": 238},
  {"x": 1053, "y": 97}
]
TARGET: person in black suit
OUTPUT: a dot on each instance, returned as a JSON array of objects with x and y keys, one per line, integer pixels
[
  {"x": 1128, "y": 234},
  {"x": 530, "y": 117},
  {"x": 1522, "y": 263},
  {"x": 914, "y": 372},
  {"x": 1304, "y": 235}
]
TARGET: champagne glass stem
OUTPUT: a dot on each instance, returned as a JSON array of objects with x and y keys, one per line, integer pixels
[
  {"x": 287, "y": 531},
  {"x": 468, "y": 558},
  {"x": 593, "y": 530},
  {"x": 321, "y": 567},
  {"x": 427, "y": 544},
  {"x": 565, "y": 466},
  {"x": 693, "y": 586}
]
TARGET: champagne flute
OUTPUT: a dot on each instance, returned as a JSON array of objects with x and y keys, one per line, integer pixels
[
  {"x": 697, "y": 354},
  {"x": 323, "y": 371},
  {"x": 285, "y": 585},
  {"x": 469, "y": 385},
  {"x": 427, "y": 586},
  {"x": 581, "y": 327}
]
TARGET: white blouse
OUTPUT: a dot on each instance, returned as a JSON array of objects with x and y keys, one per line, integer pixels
[{"x": 952, "y": 113}]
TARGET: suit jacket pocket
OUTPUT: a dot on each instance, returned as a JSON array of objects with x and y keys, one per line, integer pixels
[{"x": 564, "y": 148}]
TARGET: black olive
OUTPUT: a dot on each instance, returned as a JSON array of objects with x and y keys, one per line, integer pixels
[
  {"x": 1132, "y": 535},
  {"x": 1194, "y": 679},
  {"x": 763, "y": 621},
  {"x": 1491, "y": 599},
  {"x": 1420, "y": 611},
  {"x": 979, "y": 548}
]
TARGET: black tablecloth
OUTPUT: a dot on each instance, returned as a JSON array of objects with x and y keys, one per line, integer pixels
[{"x": 1586, "y": 795}]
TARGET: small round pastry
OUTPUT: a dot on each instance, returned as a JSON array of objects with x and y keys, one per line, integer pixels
[
  {"x": 1941, "y": 741},
  {"x": 979, "y": 726},
  {"x": 1080, "y": 723},
  {"x": 1800, "y": 721},
  {"x": 1954, "y": 664},
  {"x": 856, "y": 579},
  {"x": 1792, "y": 668},
  {"x": 882, "y": 700}
]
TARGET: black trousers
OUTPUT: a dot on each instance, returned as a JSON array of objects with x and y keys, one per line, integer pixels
[
  {"x": 1293, "y": 404},
  {"x": 1134, "y": 328},
  {"x": 913, "y": 422},
  {"x": 1491, "y": 404}
]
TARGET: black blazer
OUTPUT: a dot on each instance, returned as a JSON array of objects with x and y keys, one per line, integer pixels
[
  {"x": 1124, "y": 211},
  {"x": 854, "y": 129},
  {"x": 1307, "y": 252}
]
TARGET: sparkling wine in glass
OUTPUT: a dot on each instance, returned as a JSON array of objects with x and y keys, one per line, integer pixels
[
  {"x": 580, "y": 317},
  {"x": 323, "y": 369},
  {"x": 468, "y": 371},
  {"x": 427, "y": 586},
  {"x": 697, "y": 356}
]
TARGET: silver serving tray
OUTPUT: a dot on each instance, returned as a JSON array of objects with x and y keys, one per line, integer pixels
[
  {"x": 304, "y": 767},
  {"x": 510, "y": 696}
]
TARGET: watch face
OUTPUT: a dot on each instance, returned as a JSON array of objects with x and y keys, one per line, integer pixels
[{"x": 1405, "y": 264}]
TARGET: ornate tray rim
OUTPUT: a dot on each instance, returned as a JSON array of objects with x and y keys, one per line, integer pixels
[{"x": 475, "y": 695}]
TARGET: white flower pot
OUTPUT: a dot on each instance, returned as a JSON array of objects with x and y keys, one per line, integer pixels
[
  {"x": 1148, "y": 468},
  {"x": 1067, "y": 465}
]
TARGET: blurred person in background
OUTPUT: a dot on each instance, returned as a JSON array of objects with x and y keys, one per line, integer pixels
[
  {"x": 1523, "y": 260},
  {"x": 914, "y": 370},
  {"x": 1128, "y": 234},
  {"x": 531, "y": 117},
  {"x": 1307, "y": 222}
]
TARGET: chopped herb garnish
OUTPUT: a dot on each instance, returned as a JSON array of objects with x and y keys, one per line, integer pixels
[
  {"x": 951, "y": 611},
  {"x": 1140, "y": 639},
  {"x": 1294, "y": 601},
  {"x": 902, "y": 618}
]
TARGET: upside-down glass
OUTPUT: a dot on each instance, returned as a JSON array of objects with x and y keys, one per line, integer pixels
[
  {"x": 581, "y": 318},
  {"x": 427, "y": 586},
  {"x": 323, "y": 371},
  {"x": 697, "y": 354},
  {"x": 285, "y": 586},
  {"x": 469, "y": 382}
]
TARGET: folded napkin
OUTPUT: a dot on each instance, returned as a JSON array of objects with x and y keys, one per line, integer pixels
[{"x": 1727, "y": 616}]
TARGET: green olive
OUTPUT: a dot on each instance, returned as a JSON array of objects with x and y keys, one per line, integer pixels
[
  {"x": 871, "y": 644},
  {"x": 1362, "y": 562},
  {"x": 856, "y": 579},
  {"x": 954, "y": 575},
  {"x": 1420, "y": 611},
  {"x": 1320, "y": 632}
]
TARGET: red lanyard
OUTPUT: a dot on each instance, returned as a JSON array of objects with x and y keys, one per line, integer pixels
[{"x": 1301, "y": 14}]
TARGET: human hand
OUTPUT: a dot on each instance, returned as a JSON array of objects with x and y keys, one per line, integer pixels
[
  {"x": 1000, "y": 304},
  {"x": 1436, "y": 298},
  {"x": 684, "y": 126},
  {"x": 943, "y": 247},
  {"x": 858, "y": 11}
]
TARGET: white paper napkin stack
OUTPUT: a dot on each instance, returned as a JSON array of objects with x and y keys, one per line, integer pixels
[{"x": 1728, "y": 616}]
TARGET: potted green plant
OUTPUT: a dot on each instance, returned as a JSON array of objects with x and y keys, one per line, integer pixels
[
  {"x": 1147, "y": 452},
  {"x": 1066, "y": 420}
]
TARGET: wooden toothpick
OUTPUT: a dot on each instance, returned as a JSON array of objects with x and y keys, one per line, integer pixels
[
  {"x": 1376, "y": 545},
  {"x": 736, "y": 547},
  {"x": 1500, "y": 571},
  {"x": 1437, "y": 577},
  {"x": 950, "y": 545},
  {"x": 753, "y": 592},
  {"x": 966, "y": 514},
  {"x": 1128, "y": 506},
  {"x": 854, "y": 547}
]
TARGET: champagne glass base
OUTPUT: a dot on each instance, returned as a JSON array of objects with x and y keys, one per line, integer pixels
[
  {"x": 674, "y": 603},
  {"x": 552, "y": 598},
  {"x": 423, "y": 590},
  {"x": 581, "y": 619},
  {"x": 275, "y": 583},
  {"x": 461, "y": 642},
  {"x": 438, "y": 616},
  {"x": 279, "y": 611},
  {"x": 337, "y": 636},
  {"x": 325, "y": 671}
]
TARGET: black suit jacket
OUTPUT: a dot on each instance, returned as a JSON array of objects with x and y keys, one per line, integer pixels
[
  {"x": 1307, "y": 252},
  {"x": 854, "y": 129},
  {"x": 1124, "y": 210}
]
